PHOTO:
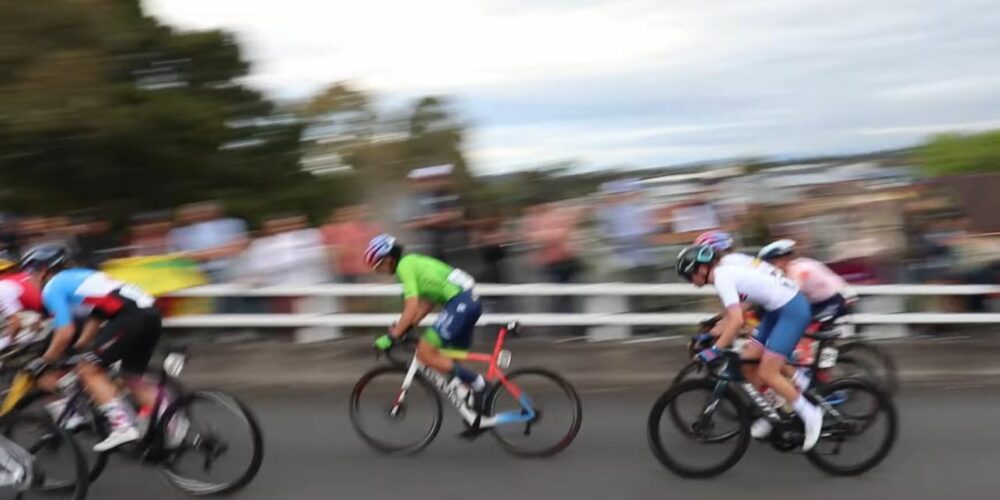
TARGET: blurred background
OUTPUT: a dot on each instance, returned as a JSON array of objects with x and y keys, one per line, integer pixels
[
  {"x": 268, "y": 141},
  {"x": 259, "y": 144}
]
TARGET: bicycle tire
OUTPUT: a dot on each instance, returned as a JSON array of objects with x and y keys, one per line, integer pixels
[
  {"x": 885, "y": 404},
  {"x": 565, "y": 387},
  {"x": 238, "y": 408},
  {"x": 78, "y": 485},
  {"x": 654, "y": 436},
  {"x": 376, "y": 443},
  {"x": 887, "y": 375},
  {"x": 694, "y": 369}
]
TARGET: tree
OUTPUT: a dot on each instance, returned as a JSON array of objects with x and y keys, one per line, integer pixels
[
  {"x": 960, "y": 154},
  {"x": 101, "y": 105}
]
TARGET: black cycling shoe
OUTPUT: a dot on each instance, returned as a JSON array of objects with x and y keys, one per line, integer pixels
[{"x": 478, "y": 403}]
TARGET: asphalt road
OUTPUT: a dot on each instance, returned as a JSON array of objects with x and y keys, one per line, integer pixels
[{"x": 948, "y": 447}]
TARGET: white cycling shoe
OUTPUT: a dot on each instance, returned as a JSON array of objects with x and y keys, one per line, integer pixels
[
  {"x": 117, "y": 438},
  {"x": 812, "y": 417},
  {"x": 761, "y": 428}
]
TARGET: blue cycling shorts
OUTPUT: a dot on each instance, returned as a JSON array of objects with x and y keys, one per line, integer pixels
[
  {"x": 780, "y": 330},
  {"x": 456, "y": 322}
]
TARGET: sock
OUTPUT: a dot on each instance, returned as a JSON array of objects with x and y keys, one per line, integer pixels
[
  {"x": 801, "y": 405},
  {"x": 467, "y": 377},
  {"x": 118, "y": 414},
  {"x": 478, "y": 384},
  {"x": 800, "y": 379}
]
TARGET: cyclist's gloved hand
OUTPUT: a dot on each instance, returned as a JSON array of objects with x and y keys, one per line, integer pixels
[
  {"x": 384, "y": 342},
  {"x": 701, "y": 342},
  {"x": 36, "y": 367},
  {"x": 709, "y": 355}
]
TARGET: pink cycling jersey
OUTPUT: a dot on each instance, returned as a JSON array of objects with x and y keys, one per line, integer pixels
[{"x": 816, "y": 281}]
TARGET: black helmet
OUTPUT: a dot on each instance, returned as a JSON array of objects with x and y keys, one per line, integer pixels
[
  {"x": 44, "y": 258},
  {"x": 691, "y": 257},
  {"x": 776, "y": 250}
]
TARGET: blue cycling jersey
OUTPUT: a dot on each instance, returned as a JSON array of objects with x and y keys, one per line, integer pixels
[{"x": 85, "y": 292}]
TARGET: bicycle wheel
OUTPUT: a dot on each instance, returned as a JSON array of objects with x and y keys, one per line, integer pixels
[
  {"x": 863, "y": 409},
  {"x": 880, "y": 362},
  {"x": 693, "y": 370},
  {"x": 59, "y": 464},
  {"x": 203, "y": 427},
  {"x": 415, "y": 422},
  {"x": 685, "y": 444},
  {"x": 557, "y": 407}
]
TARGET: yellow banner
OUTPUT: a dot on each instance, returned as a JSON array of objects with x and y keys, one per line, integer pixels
[{"x": 156, "y": 275}]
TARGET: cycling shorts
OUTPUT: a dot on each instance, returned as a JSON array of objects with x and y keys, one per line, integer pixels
[
  {"x": 781, "y": 329},
  {"x": 832, "y": 308},
  {"x": 130, "y": 337},
  {"x": 456, "y": 322}
]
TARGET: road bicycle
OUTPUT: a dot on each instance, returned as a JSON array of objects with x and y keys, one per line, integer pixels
[
  {"x": 698, "y": 416},
  {"x": 404, "y": 400},
  {"x": 182, "y": 436},
  {"x": 836, "y": 356}
]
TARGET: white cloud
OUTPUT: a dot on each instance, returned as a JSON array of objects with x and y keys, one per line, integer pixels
[{"x": 646, "y": 82}]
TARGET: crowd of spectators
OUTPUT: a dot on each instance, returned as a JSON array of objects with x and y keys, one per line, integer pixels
[{"x": 617, "y": 234}]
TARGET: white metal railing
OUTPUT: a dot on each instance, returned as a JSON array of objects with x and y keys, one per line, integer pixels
[
  {"x": 549, "y": 289},
  {"x": 598, "y": 312}
]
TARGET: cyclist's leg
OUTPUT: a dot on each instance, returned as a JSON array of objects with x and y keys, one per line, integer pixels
[
  {"x": 112, "y": 344},
  {"x": 453, "y": 329},
  {"x": 139, "y": 351},
  {"x": 781, "y": 343},
  {"x": 752, "y": 352},
  {"x": 755, "y": 348}
]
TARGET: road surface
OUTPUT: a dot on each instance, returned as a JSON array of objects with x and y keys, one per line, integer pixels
[{"x": 948, "y": 447}]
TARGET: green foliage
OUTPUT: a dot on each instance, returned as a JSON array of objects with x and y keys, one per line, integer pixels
[
  {"x": 960, "y": 154},
  {"x": 103, "y": 106}
]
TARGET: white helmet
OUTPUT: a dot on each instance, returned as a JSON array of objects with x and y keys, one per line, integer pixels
[{"x": 776, "y": 249}]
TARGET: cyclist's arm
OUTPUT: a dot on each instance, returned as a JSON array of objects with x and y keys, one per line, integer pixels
[
  {"x": 88, "y": 333},
  {"x": 61, "y": 339},
  {"x": 732, "y": 321},
  {"x": 426, "y": 307},
  {"x": 13, "y": 326},
  {"x": 409, "y": 318},
  {"x": 10, "y": 305},
  {"x": 58, "y": 305},
  {"x": 733, "y": 317}
]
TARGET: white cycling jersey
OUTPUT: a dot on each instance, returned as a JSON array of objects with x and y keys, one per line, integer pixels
[
  {"x": 737, "y": 259},
  {"x": 763, "y": 284}
]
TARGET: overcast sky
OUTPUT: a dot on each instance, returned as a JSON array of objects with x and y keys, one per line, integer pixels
[{"x": 639, "y": 82}]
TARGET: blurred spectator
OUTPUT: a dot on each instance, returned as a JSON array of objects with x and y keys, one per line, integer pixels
[
  {"x": 288, "y": 252},
  {"x": 148, "y": 234},
  {"x": 628, "y": 228},
  {"x": 94, "y": 239},
  {"x": 436, "y": 213},
  {"x": 345, "y": 236},
  {"x": 551, "y": 231},
  {"x": 9, "y": 233},
  {"x": 492, "y": 239},
  {"x": 204, "y": 234},
  {"x": 689, "y": 219}
]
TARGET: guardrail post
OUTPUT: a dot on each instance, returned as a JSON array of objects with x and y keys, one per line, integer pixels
[
  {"x": 607, "y": 305},
  {"x": 884, "y": 304},
  {"x": 317, "y": 304}
]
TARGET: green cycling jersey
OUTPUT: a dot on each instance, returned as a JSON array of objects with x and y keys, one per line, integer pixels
[{"x": 430, "y": 279}]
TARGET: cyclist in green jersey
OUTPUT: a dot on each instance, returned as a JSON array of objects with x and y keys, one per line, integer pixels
[{"x": 427, "y": 283}]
